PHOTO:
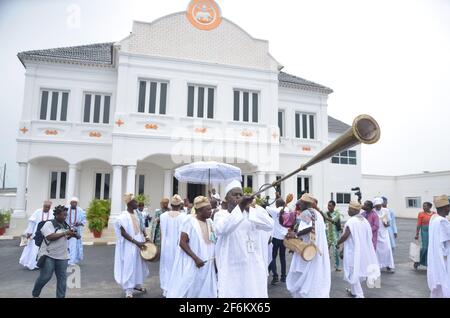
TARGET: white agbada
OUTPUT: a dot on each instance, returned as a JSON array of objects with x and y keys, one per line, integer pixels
[
  {"x": 130, "y": 269},
  {"x": 241, "y": 252},
  {"x": 28, "y": 257},
  {"x": 311, "y": 279},
  {"x": 438, "y": 270},
  {"x": 186, "y": 280},
  {"x": 384, "y": 249},
  {"x": 360, "y": 259},
  {"x": 170, "y": 225},
  {"x": 75, "y": 245}
]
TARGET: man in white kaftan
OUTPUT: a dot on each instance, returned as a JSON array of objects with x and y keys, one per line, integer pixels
[
  {"x": 170, "y": 224},
  {"x": 130, "y": 269},
  {"x": 360, "y": 259},
  {"x": 241, "y": 254},
  {"x": 384, "y": 248},
  {"x": 76, "y": 218},
  {"x": 438, "y": 270},
  {"x": 193, "y": 274},
  {"x": 310, "y": 279},
  {"x": 30, "y": 252}
]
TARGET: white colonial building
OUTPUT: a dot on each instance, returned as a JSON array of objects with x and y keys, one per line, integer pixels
[
  {"x": 407, "y": 193},
  {"x": 104, "y": 119}
]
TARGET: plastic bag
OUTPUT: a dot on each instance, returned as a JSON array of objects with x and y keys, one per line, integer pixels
[{"x": 414, "y": 251}]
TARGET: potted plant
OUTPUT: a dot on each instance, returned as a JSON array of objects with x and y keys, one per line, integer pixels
[
  {"x": 142, "y": 198},
  {"x": 247, "y": 191},
  {"x": 7, "y": 217},
  {"x": 98, "y": 215},
  {"x": 2, "y": 224}
]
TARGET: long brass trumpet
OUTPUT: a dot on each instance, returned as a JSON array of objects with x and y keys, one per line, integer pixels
[{"x": 364, "y": 130}]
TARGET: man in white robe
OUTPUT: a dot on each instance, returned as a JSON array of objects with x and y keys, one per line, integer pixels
[
  {"x": 384, "y": 248},
  {"x": 76, "y": 218},
  {"x": 310, "y": 279},
  {"x": 241, "y": 254},
  {"x": 438, "y": 270},
  {"x": 170, "y": 223},
  {"x": 130, "y": 269},
  {"x": 28, "y": 257},
  {"x": 360, "y": 259},
  {"x": 193, "y": 274}
]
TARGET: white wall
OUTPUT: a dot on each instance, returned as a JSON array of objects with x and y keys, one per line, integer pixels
[
  {"x": 7, "y": 201},
  {"x": 425, "y": 186}
]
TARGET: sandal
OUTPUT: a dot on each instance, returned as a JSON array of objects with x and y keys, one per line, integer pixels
[
  {"x": 129, "y": 295},
  {"x": 142, "y": 290},
  {"x": 349, "y": 292}
]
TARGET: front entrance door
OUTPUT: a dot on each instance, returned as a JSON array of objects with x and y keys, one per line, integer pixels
[{"x": 194, "y": 190}]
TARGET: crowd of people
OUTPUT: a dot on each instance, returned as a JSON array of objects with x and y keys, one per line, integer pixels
[{"x": 228, "y": 248}]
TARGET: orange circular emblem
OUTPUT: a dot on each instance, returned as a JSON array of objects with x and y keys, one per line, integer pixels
[{"x": 204, "y": 14}]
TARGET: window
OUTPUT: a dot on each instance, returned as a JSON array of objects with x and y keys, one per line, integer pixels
[
  {"x": 175, "y": 186},
  {"x": 102, "y": 186},
  {"x": 247, "y": 181},
  {"x": 281, "y": 122},
  {"x": 347, "y": 157},
  {"x": 97, "y": 108},
  {"x": 343, "y": 198},
  {"x": 278, "y": 187},
  {"x": 54, "y": 105},
  {"x": 414, "y": 202},
  {"x": 200, "y": 101},
  {"x": 152, "y": 97},
  {"x": 303, "y": 185},
  {"x": 58, "y": 185},
  {"x": 140, "y": 184},
  {"x": 304, "y": 126},
  {"x": 246, "y": 106}
]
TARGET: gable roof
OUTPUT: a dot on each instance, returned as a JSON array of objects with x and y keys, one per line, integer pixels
[
  {"x": 93, "y": 54},
  {"x": 292, "y": 81},
  {"x": 337, "y": 126}
]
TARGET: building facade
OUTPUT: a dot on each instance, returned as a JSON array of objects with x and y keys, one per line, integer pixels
[
  {"x": 104, "y": 119},
  {"x": 407, "y": 193}
]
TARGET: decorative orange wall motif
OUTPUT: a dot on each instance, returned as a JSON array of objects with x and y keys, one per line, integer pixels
[
  {"x": 204, "y": 15},
  {"x": 49, "y": 132},
  {"x": 151, "y": 126},
  {"x": 246, "y": 133},
  {"x": 306, "y": 148},
  {"x": 120, "y": 122},
  {"x": 200, "y": 130},
  {"x": 24, "y": 130},
  {"x": 95, "y": 134}
]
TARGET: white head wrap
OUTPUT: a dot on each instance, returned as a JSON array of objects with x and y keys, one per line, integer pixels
[{"x": 231, "y": 185}]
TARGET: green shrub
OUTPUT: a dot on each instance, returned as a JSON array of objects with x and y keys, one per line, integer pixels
[{"x": 98, "y": 214}]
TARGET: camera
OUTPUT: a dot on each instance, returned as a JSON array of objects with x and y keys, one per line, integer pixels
[{"x": 356, "y": 189}]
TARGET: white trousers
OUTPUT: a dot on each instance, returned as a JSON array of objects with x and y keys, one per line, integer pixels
[{"x": 357, "y": 289}]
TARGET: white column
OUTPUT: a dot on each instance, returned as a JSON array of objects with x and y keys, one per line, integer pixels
[
  {"x": 131, "y": 179},
  {"x": 260, "y": 180},
  {"x": 271, "y": 192},
  {"x": 167, "y": 183},
  {"x": 116, "y": 193},
  {"x": 71, "y": 181},
  {"x": 19, "y": 211}
]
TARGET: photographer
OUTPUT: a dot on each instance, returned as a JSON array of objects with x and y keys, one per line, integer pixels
[{"x": 53, "y": 256}]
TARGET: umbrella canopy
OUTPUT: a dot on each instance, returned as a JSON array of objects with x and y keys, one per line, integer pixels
[{"x": 208, "y": 172}]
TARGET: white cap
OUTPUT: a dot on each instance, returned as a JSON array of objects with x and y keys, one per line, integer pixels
[
  {"x": 377, "y": 201},
  {"x": 232, "y": 185},
  {"x": 74, "y": 199}
]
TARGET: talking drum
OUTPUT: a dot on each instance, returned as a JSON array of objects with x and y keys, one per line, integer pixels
[
  {"x": 150, "y": 252},
  {"x": 306, "y": 250}
]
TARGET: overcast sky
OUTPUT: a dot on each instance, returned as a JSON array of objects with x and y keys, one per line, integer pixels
[{"x": 386, "y": 58}]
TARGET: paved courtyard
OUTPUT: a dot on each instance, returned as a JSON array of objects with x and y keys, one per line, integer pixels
[{"x": 97, "y": 274}]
